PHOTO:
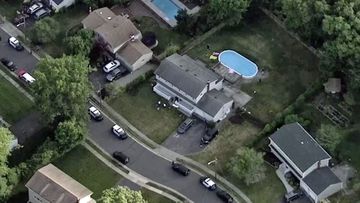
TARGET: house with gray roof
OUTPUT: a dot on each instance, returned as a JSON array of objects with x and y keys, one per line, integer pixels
[
  {"x": 306, "y": 160},
  {"x": 192, "y": 88}
]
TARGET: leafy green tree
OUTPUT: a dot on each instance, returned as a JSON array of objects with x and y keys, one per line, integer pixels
[
  {"x": 329, "y": 137},
  {"x": 229, "y": 10},
  {"x": 183, "y": 20},
  {"x": 70, "y": 133},
  {"x": 5, "y": 140},
  {"x": 45, "y": 30},
  {"x": 292, "y": 118},
  {"x": 62, "y": 88},
  {"x": 121, "y": 194},
  {"x": 80, "y": 44},
  {"x": 248, "y": 165}
]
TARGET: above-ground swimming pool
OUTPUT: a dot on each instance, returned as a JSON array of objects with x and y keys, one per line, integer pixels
[{"x": 238, "y": 63}]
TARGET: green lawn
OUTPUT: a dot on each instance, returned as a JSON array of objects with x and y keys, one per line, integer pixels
[
  {"x": 292, "y": 68},
  {"x": 139, "y": 109},
  {"x": 84, "y": 167},
  {"x": 13, "y": 104},
  {"x": 9, "y": 8},
  {"x": 152, "y": 197}
]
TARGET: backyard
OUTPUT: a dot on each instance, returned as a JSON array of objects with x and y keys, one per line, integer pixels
[{"x": 9, "y": 8}]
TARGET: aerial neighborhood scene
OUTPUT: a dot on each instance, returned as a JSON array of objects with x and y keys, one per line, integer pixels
[{"x": 194, "y": 101}]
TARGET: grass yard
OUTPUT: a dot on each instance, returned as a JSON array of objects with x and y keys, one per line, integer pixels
[
  {"x": 292, "y": 68},
  {"x": 13, "y": 104},
  {"x": 139, "y": 109},
  {"x": 9, "y": 8},
  {"x": 152, "y": 197}
]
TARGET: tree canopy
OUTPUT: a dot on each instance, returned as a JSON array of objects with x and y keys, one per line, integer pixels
[
  {"x": 80, "y": 44},
  {"x": 229, "y": 10},
  {"x": 45, "y": 30},
  {"x": 329, "y": 137},
  {"x": 69, "y": 133},
  {"x": 5, "y": 140},
  {"x": 296, "y": 118},
  {"x": 121, "y": 194}
]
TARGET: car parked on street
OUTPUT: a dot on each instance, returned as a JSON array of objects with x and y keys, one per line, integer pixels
[
  {"x": 183, "y": 170},
  {"x": 121, "y": 157},
  {"x": 25, "y": 76},
  {"x": 119, "y": 132},
  {"x": 116, "y": 74},
  {"x": 224, "y": 196},
  {"x": 184, "y": 126},
  {"x": 42, "y": 13},
  {"x": 111, "y": 66},
  {"x": 209, "y": 135},
  {"x": 95, "y": 114},
  {"x": 208, "y": 183},
  {"x": 8, "y": 63},
  {"x": 15, "y": 44},
  {"x": 34, "y": 7}
]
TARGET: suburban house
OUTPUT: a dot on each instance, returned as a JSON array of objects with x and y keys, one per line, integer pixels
[
  {"x": 50, "y": 185},
  {"x": 119, "y": 36},
  {"x": 56, "y": 5},
  {"x": 306, "y": 159},
  {"x": 192, "y": 88}
]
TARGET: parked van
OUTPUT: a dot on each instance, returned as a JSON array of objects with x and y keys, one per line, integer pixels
[{"x": 121, "y": 157}]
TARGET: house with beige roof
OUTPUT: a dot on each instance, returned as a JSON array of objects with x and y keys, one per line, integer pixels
[
  {"x": 119, "y": 36},
  {"x": 50, "y": 185}
]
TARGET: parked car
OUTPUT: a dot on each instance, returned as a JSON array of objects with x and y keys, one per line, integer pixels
[
  {"x": 9, "y": 64},
  {"x": 111, "y": 66},
  {"x": 34, "y": 7},
  {"x": 95, "y": 114},
  {"x": 209, "y": 135},
  {"x": 293, "y": 195},
  {"x": 183, "y": 170},
  {"x": 25, "y": 76},
  {"x": 116, "y": 74},
  {"x": 15, "y": 44},
  {"x": 119, "y": 132},
  {"x": 208, "y": 183},
  {"x": 121, "y": 157},
  {"x": 224, "y": 196},
  {"x": 42, "y": 13},
  {"x": 184, "y": 126}
]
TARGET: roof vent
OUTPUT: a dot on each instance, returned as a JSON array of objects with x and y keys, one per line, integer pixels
[
  {"x": 109, "y": 18},
  {"x": 302, "y": 142},
  {"x": 100, "y": 12}
]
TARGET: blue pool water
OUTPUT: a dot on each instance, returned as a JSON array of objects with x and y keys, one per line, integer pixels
[
  {"x": 168, "y": 7},
  {"x": 237, "y": 63}
]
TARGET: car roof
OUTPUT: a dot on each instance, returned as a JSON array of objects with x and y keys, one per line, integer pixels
[
  {"x": 117, "y": 127},
  {"x": 111, "y": 64},
  {"x": 92, "y": 108},
  {"x": 40, "y": 12},
  {"x": 13, "y": 39},
  {"x": 209, "y": 181}
]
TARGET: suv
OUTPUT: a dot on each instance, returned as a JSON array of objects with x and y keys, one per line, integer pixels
[
  {"x": 210, "y": 134},
  {"x": 15, "y": 44},
  {"x": 224, "y": 196},
  {"x": 111, "y": 66},
  {"x": 184, "y": 126},
  {"x": 180, "y": 168},
  {"x": 119, "y": 132},
  {"x": 293, "y": 195},
  {"x": 121, "y": 157},
  {"x": 42, "y": 13},
  {"x": 9, "y": 64},
  {"x": 25, "y": 76},
  {"x": 116, "y": 74},
  {"x": 208, "y": 183},
  {"x": 34, "y": 7},
  {"x": 95, "y": 114}
]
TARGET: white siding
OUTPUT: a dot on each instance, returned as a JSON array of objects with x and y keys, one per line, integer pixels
[
  {"x": 64, "y": 4},
  {"x": 142, "y": 61},
  {"x": 36, "y": 198},
  {"x": 308, "y": 191},
  {"x": 332, "y": 189},
  {"x": 223, "y": 112}
]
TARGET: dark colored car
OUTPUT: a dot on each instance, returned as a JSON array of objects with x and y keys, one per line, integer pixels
[
  {"x": 9, "y": 64},
  {"x": 184, "y": 126},
  {"x": 121, "y": 157},
  {"x": 116, "y": 74},
  {"x": 183, "y": 170},
  {"x": 210, "y": 134},
  {"x": 224, "y": 196},
  {"x": 293, "y": 195}
]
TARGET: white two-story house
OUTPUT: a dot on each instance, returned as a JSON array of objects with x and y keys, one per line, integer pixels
[
  {"x": 192, "y": 88},
  {"x": 306, "y": 159}
]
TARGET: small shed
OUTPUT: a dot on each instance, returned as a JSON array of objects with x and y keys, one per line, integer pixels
[{"x": 333, "y": 85}]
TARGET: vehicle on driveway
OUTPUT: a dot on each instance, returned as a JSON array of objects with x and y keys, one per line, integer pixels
[
  {"x": 34, "y": 7},
  {"x": 119, "y": 132},
  {"x": 293, "y": 195},
  {"x": 111, "y": 66},
  {"x": 95, "y": 114},
  {"x": 183, "y": 170},
  {"x": 116, "y": 74},
  {"x": 9, "y": 64},
  {"x": 209, "y": 135},
  {"x": 224, "y": 196},
  {"x": 25, "y": 76},
  {"x": 42, "y": 13},
  {"x": 121, "y": 157},
  {"x": 208, "y": 183},
  {"x": 184, "y": 126},
  {"x": 15, "y": 44}
]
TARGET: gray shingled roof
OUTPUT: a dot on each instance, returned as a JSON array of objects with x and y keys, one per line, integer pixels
[
  {"x": 320, "y": 179},
  {"x": 58, "y": 2},
  {"x": 212, "y": 102},
  {"x": 299, "y": 146}
]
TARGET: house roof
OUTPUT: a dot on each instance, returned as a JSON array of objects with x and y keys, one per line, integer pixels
[
  {"x": 57, "y": 2},
  {"x": 320, "y": 179},
  {"x": 299, "y": 146},
  {"x": 55, "y": 186},
  {"x": 333, "y": 85},
  {"x": 133, "y": 51},
  {"x": 213, "y": 101},
  {"x": 117, "y": 31},
  {"x": 185, "y": 74},
  {"x": 97, "y": 18}
]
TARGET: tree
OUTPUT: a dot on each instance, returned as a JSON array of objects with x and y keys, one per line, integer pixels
[
  {"x": 5, "y": 140},
  {"x": 229, "y": 10},
  {"x": 183, "y": 20},
  {"x": 62, "y": 88},
  {"x": 70, "y": 133},
  {"x": 248, "y": 165},
  {"x": 329, "y": 137},
  {"x": 45, "y": 30},
  {"x": 80, "y": 44},
  {"x": 121, "y": 194},
  {"x": 292, "y": 118}
]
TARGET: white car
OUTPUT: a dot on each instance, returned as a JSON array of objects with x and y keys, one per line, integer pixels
[
  {"x": 15, "y": 44},
  {"x": 111, "y": 66},
  {"x": 25, "y": 76},
  {"x": 119, "y": 132},
  {"x": 208, "y": 183},
  {"x": 95, "y": 114},
  {"x": 34, "y": 7}
]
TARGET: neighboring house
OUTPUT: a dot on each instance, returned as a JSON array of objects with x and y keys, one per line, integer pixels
[
  {"x": 333, "y": 85},
  {"x": 306, "y": 159},
  {"x": 50, "y": 185},
  {"x": 119, "y": 36},
  {"x": 192, "y": 88},
  {"x": 56, "y": 5}
]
